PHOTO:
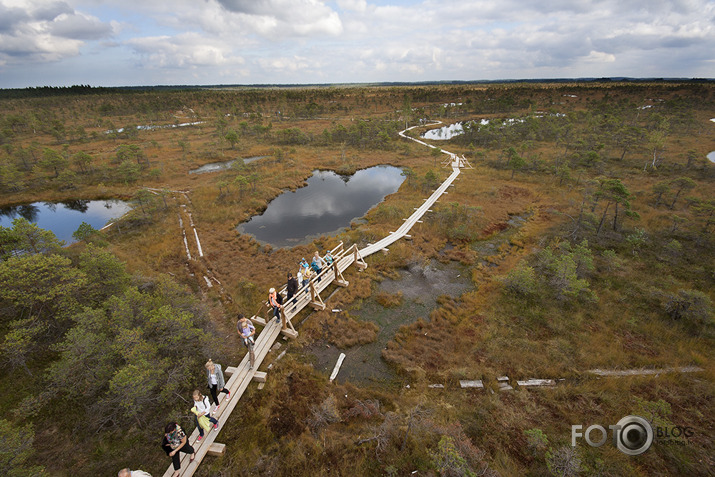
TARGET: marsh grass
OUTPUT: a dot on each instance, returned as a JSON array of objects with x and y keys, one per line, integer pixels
[{"x": 483, "y": 334}]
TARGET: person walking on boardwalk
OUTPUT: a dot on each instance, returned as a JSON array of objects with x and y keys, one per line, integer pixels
[
  {"x": 291, "y": 287},
  {"x": 247, "y": 330},
  {"x": 216, "y": 383},
  {"x": 318, "y": 264},
  {"x": 299, "y": 277},
  {"x": 307, "y": 272},
  {"x": 275, "y": 301},
  {"x": 175, "y": 441},
  {"x": 202, "y": 409},
  {"x": 133, "y": 473},
  {"x": 328, "y": 258}
]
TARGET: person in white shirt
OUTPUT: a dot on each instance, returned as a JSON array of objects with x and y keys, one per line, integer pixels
[
  {"x": 132, "y": 473},
  {"x": 216, "y": 383},
  {"x": 203, "y": 408}
]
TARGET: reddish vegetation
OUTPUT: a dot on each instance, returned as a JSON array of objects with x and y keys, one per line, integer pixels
[{"x": 494, "y": 228}]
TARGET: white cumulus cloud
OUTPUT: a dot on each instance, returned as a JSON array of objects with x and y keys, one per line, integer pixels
[
  {"x": 37, "y": 31},
  {"x": 186, "y": 50},
  {"x": 287, "y": 17}
]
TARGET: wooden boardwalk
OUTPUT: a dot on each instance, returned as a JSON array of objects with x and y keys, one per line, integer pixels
[{"x": 241, "y": 376}]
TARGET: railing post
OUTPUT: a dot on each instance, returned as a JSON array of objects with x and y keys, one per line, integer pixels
[
  {"x": 339, "y": 279},
  {"x": 358, "y": 259},
  {"x": 316, "y": 302}
]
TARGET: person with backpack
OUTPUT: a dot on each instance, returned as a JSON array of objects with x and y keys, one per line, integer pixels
[
  {"x": 317, "y": 264},
  {"x": 202, "y": 410}
]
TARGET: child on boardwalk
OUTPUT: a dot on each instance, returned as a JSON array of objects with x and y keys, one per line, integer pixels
[
  {"x": 304, "y": 272},
  {"x": 247, "y": 330},
  {"x": 328, "y": 258},
  {"x": 201, "y": 409},
  {"x": 308, "y": 274}
]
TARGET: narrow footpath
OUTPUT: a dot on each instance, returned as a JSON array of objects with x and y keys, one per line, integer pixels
[{"x": 241, "y": 376}]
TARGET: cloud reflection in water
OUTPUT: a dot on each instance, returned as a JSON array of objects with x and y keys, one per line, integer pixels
[{"x": 327, "y": 204}]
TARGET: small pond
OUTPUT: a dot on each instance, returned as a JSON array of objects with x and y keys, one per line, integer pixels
[
  {"x": 711, "y": 156},
  {"x": 325, "y": 206},
  {"x": 221, "y": 166},
  {"x": 63, "y": 218},
  {"x": 420, "y": 284},
  {"x": 151, "y": 127},
  {"x": 448, "y": 132}
]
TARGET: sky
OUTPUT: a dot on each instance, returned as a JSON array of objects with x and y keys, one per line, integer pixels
[{"x": 204, "y": 42}]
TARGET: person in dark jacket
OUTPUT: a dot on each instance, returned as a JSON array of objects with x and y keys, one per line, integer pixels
[{"x": 291, "y": 287}]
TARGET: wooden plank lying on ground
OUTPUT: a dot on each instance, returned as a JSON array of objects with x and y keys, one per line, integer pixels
[
  {"x": 334, "y": 374},
  {"x": 645, "y": 372},
  {"x": 536, "y": 382}
]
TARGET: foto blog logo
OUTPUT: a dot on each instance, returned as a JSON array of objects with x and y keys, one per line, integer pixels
[{"x": 632, "y": 435}]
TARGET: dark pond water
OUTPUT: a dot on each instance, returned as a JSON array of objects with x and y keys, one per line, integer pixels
[
  {"x": 325, "y": 206},
  {"x": 220, "y": 166},
  {"x": 420, "y": 285},
  {"x": 63, "y": 218}
]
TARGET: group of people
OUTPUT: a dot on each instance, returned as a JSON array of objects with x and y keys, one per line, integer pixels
[
  {"x": 175, "y": 440},
  {"x": 306, "y": 272}
]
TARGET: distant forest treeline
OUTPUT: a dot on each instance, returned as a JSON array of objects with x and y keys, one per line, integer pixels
[{"x": 44, "y": 91}]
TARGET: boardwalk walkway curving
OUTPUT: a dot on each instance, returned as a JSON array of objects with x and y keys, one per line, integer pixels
[{"x": 241, "y": 375}]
